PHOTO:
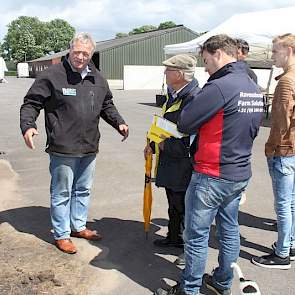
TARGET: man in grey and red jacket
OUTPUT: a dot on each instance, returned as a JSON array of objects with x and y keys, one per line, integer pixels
[
  {"x": 74, "y": 96},
  {"x": 226, "y": 115}
]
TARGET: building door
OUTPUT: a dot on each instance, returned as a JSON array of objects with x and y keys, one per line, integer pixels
[{"x": 95, "y": 59}]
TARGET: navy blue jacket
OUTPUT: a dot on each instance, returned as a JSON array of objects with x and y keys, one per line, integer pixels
[{"x": 226, "y": 114}]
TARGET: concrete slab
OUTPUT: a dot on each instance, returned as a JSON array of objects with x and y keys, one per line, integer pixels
[{"x": 124, "y": 262}]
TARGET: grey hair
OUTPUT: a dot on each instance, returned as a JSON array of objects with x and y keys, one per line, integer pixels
[
  {"x": 188, "y": 75},
  {"x": 84, "y": 38}
]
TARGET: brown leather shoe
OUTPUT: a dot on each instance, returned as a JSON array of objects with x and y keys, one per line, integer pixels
[
  {"x": 66, "y": 246},
  {"x": 87, "y": 234}
]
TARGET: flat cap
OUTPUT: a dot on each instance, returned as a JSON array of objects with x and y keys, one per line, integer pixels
[{"x": 185, "y": 62}]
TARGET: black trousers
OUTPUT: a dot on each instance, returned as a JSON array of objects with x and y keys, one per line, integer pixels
[{"x": 176, "y": 214}]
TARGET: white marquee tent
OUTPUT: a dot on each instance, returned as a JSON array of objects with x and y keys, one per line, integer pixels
[{"x": 257, "y": 28}]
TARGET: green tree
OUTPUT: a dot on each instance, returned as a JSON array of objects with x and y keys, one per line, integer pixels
[
  {"x": 23, "y": 35},
  {"x": 28, "y": 38},
  {"x": 143, "y": 29},
  {"x": 59, "y": 34},
  {"x": 148, "y": 28},
  {"x": 121, "y": 35},
  {"x": 166, "y": 25},
  {"x": 25, "y": 47},
  {"x": 1, "y": 50}
]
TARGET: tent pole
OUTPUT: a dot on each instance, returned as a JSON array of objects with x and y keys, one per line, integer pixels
[{"x": 267, "y": 94}]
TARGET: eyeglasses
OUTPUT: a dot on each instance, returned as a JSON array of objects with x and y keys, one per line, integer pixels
[{"x": 84, "y": 54}]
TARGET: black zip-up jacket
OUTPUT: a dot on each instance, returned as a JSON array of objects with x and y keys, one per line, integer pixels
[{"x": 73, "y": 107}]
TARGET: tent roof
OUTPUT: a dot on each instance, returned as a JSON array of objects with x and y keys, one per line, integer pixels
[{"x": 257, "y": 28}]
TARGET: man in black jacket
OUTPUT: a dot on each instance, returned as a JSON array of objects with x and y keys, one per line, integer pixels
[
  {"x": 74, "y": 96},
  {"x": 174, "y": 167},
  {"x": 243, "y": 50}
]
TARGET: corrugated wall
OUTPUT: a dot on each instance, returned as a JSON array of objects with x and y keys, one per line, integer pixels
[{"x": 143, "y": 52}]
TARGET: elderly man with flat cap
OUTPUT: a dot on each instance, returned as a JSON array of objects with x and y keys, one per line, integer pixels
[{"x": 174, "y": 167}]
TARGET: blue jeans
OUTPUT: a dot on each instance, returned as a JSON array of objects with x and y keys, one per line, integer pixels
[
  {"x": 282, "y": 173},
  {"x": 71, "y": 181},
  {"x": 208, "y": 198}
]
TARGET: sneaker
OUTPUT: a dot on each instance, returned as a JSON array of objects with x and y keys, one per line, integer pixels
[
  {"x": 292, "y": 251},
  {"x": 272, "y": 261},
  {"x": 180, "y": 260},
  {"x": 208, "y": 281},
  {"x": 175, "y": 290},
  {"x": 167, "y": 242}
]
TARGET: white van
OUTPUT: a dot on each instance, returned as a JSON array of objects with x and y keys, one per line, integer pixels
[{"x": 22, "y": 70}]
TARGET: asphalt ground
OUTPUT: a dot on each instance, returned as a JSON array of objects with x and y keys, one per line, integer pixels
[{"x": 124, "y": 262}]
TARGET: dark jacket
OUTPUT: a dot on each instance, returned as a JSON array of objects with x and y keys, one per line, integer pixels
[
  {"x": 227, "y": 114},
  {"x": 174, "y": 167},
  {"x": 250, "y": 72},
  {"x": 72, "y": 106}
]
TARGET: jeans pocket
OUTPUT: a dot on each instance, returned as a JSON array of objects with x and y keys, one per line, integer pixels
[
  {"x": 223, "y": 190},
  {"x": 218, "y": 189},
  {"x": 285, "y": 165}
]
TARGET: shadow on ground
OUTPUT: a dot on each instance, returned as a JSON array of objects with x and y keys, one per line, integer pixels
[
  {"x": 125, "y": 248},
  {"x": 33, "y": 220},
  {"x": 149, "y": 104},
  {"x": 250, "y": 220},
  {"x": 124, "y": 245}
]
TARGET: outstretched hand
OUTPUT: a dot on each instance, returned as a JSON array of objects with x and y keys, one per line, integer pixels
[
  {"x": 28, "y": 137},
  {"x": 124, "y": 131}
]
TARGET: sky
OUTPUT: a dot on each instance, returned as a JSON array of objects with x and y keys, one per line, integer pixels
[{"x": 104, "y": 18}]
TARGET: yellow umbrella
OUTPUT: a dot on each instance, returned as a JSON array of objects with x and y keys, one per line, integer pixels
[{"x": 147, "y": 195}]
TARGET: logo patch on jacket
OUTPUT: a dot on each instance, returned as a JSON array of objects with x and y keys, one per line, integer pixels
[{"x": 69, "y": 91}]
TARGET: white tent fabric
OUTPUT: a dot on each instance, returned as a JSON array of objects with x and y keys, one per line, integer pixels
[{"x": 257, "y": 28}]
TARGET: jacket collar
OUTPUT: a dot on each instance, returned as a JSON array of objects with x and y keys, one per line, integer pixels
[
  {"x": 233, "y": 67},
  {"x": 74, "y": 77},
  {"x": 188, "y": 88},
  {"x": 289, "y": 69},
  {"x": 68, "y": 67},
  {"x": 183, "y": 92}
]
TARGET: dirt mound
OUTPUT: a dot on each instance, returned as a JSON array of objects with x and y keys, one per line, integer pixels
[
  {"x": 28, "y": 264},
  {"x": 31, "y": 266}
]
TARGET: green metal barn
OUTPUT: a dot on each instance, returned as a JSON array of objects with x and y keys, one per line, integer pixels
[
  {"x": 139, "y": 49},
  {"x": 110, "y": 56}
]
